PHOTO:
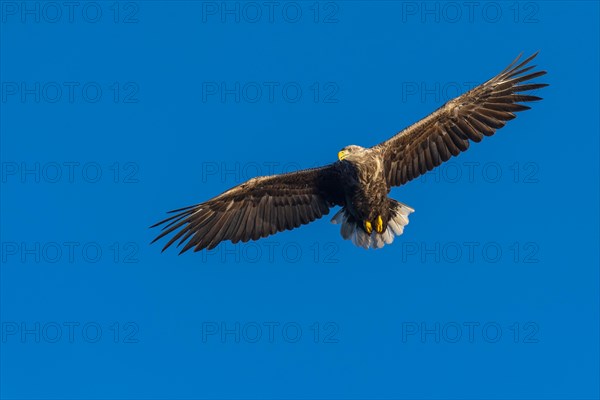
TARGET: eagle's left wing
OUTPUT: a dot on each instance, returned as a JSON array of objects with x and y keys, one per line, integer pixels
[
  {"x": 448, "y": 131},
  {"x": 257, "y": 208}
]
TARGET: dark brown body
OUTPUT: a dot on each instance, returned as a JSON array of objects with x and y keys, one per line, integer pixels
[{"x": 366, "y": 190}]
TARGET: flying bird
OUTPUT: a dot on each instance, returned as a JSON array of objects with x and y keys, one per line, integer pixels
[{"x": 360, "y": 180}]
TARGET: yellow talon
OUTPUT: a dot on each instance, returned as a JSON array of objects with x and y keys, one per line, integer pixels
[
  {"x": 368, "y": 227},
  {"x": 379, "y": 225}
]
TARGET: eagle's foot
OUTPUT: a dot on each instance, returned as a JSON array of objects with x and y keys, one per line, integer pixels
[
  {"x": 368, "y": 227},
  {"x": 379, "y": 224}
]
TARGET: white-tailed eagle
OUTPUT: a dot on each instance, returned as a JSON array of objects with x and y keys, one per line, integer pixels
[{"x": 359, "y": 182}]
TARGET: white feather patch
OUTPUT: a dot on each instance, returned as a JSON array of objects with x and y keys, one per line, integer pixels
[{"x": 360, "y": 238}]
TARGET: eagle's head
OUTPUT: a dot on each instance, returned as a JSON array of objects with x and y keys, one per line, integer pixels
[{"x": 350, "y": 152}]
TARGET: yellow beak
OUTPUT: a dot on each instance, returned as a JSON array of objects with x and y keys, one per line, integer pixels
[{"x": 341, "y": 155}]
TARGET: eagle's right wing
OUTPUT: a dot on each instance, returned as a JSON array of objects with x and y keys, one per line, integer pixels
[
  {"x": 449, "y": 130},
  {"x": 257, "y": 208}
]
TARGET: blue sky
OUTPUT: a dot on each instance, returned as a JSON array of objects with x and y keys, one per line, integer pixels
[{"x": 113, "y": 113}]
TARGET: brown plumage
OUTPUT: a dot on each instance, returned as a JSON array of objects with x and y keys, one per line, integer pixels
[
  {"x": 257, "y": 208},
  {"x": 361, "y": 180},
  {"x": 449, "y": 130}
]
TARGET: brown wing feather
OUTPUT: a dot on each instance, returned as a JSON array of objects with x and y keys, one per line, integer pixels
[
  {"x": 450, "y": 129},
  {"x": 257, "y": 208}
]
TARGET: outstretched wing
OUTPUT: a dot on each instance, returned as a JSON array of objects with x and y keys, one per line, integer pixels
[
  {"x": 448, "y": 131},
  {"x": 257, "y": 208}
]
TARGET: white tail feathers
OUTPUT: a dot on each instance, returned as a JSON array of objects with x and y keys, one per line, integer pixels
[{"x": 360, "y": 238}]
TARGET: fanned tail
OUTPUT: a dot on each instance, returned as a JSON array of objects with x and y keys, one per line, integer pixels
[{"x": 351, "y": 230}]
